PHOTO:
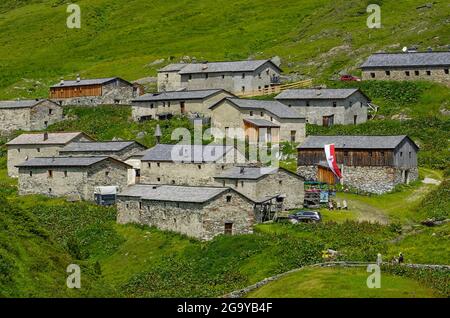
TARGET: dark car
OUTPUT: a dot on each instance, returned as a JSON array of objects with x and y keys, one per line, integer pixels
[
  {"x": 305, "y": 216},
  {"x": 349, "y": 78}
]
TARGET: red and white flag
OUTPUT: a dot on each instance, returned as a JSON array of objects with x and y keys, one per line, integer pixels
[{"x": 331, "y": 159}]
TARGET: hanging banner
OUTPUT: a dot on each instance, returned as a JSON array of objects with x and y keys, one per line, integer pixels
[{"x": 331, "y": 159}]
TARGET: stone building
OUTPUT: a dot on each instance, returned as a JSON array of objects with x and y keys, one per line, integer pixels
[
  {"x": 200, "y": 212},
  {"x": 431, "y": 66},
  {"x": 28, "y": 146},
  {"x": 261, "y": 183},
  {"x": 119, "y": 150},
  {"x": 373, "y": 164},
  {"x": 73, "y": 177},
  {"x": 187, "y": 164},
  {"x": 327, "y": 106},
  {"x": 28, "y": 115},
  {"x": 258, "y": 120},
  {"x": 93, "y": 92},
  {"x": 166, "y": 104},
  {"x": 238, "y": 77}
]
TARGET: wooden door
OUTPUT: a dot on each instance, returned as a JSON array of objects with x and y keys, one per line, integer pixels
[
  {"x": 228, "y": 228},
  {"x": 182, "y": 107},
  {"x": 325, "y": 175}
]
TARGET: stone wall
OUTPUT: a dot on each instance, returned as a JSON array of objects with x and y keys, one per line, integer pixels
[
  {"x": 28, "y": 119},
  {"x": 437, "y": 74},
  {"x": 199, "y": 220},
  {"x": 344, "y": 112},
  {"x": 112, "y": 94},
  {"x": 21, "y": 153},
  {"x": 280, "y": 183},
  {"x": 373, "y": 179},
  {"x": 76, "y": 183},
  {"x": 233, "y": 82}
]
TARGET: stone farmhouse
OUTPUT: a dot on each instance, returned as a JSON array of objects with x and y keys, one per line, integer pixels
[
  {"x": 259, "y": 120},
  {"x": 327, "y": 106},
  {"x": 73, "y": 177},
  {"x": 199, "y": 212},
  {"x": 119, "y": 150},
  {"x": 265, "y": 183},
  {"x": 163, "y": 105},
  {"x": 93, "y": 92},
  {"x": 432, "y": 66},
  {"x": 28, "y": 115},
  {"x": 374, "y": 164},
  {"x": 195, "y": 165},
  {"x": 238, "y": 77},
  {"x": 28, "y": 146}
]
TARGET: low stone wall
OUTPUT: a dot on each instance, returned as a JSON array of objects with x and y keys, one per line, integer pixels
[{"x": 242, "y": 292}]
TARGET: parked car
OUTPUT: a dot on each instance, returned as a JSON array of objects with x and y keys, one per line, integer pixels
[
  {"x": 349, "y": 78},
  {"x": 305, "y": 216}
]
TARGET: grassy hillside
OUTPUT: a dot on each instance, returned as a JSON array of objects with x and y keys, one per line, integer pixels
[
  {"x": 316, "y": 38},
  {"x": 345, "y": 282}
]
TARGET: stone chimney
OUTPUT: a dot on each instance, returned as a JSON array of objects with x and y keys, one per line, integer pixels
[
  {"x": 45, "y": 136},
  {"x": 62, "y": 81},
  {"x": 78, "y": 78},
  {"x": 242, "y": 169},
  {"x": 158, "y": 134}
]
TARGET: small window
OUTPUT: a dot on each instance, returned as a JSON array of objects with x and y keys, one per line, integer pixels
[
  {"x": 65, "y": 174},
  {"x": 149, "y": 164},
  {"x": 159, "y": 179},
  {"x": 251, "y": 113},
  {"x": 262, "y": 114},
  {"x": 407, "y": 73},
  {"x": 280, "y": 182},
  {"x": 190, "y": 76},
  {"x": 388, "y": 73},
  {"x": 173, "y": 181},
  {"x": 49, "y": 190},
  {"x": 236, "y": 183},
  {"x": 401, "y": 153},
  {"x": 31, "y": 173},
  {"x": 259, "y": 75},
  {"x": 223, "y": 167},
  {"x": 242, "y": 184},
  {"x": 223, "y": 76},
  {"x": 417, "y": 73},
  {"x": 293, "y": 133},
  {"x": 50, "y": 173},
  {"x": 140, "y": 205},
  {"x": 446, "y": 71},
  {"x": 350, "y": 104},
  {"x": 243, "y": 75},
  {"x": 243, "y": 89},
  {"x": 50, "y": 111},
  {"x": 199, "y": 167},
  {"x": 18, "y": 150},
  {"x": 334, "y": 104},
  {"x": 428, "y": 73},
  {"x": 271, "y": 118},
  {"x": 206, "y": 76},
  {"x": 107, "y": 173},
  {"x": 290, "y": 105},
  {"x": 228, "y": 198},
  {"x": 167, "y": 75},
  {"x": 38, "y": 149},
  {"x": 372, "y": 75},
  {"x": 410, "y": 155},
  {"x": 307, "y": 103},
  {"x": 158, "y": 164},
  {"x": 45, "y": 123},
  {"x": 168, "y": 104}
]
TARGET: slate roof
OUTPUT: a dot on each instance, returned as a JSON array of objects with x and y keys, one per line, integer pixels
[
  {"x": 177, "y": 95},
  {"x": 407, "y": 59},
  {"x": 173, "y": 193},
  {"x": 274, "y": 107},
  {"x": 112, "y": 146},
  {"x": 354, "y": 142},
  {"x": 21, "y": 103},
  {"x": 53, "y": 138},
  {"x": 186, "y": 153},
  {"x": 247, "y": 173},
  {"x": 87, "y": 82},
  {"x": 217, "y": 67},
  {"x": 64, "y": 161},
  {"x": 260, "y": 122},
  {"x": 324, "y": 93}
]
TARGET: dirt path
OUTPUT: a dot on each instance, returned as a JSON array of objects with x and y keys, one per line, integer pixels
[{"x": 367, "y": 212}]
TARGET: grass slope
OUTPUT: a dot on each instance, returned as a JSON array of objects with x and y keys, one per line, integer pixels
[
  {"x": 316, "y": 38},
  {"x": 341, "y": 283}
]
